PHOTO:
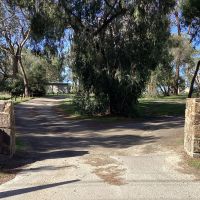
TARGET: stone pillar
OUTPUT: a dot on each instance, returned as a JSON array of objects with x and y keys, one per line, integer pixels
[
  {"x": 192, "y": 127},
  {"x": 7, "y": 128}
]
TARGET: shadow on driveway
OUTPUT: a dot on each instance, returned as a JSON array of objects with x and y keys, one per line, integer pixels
[
  {"x": 32, "y": 189},
  {"x": 48, "y": 134}
]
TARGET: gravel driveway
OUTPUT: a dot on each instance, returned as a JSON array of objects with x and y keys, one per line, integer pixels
[{"x": 75, "y": 160}]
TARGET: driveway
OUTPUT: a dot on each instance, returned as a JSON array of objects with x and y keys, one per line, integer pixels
[{"x": 92, "y": 160}]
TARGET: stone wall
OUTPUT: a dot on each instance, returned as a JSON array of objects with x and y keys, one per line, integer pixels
[
  {"x": 192, "y": 127},
  {"x": 7, "y": 131}
]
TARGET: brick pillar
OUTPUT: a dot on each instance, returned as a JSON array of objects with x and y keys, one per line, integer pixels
[
  {"x": 192, "y": 127},
  {"x": 7, "y": 127}
]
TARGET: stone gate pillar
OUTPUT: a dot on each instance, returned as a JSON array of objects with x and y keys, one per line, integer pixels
[
  {"x": 7, "y": 128},
  {"x": 192, "y": 127}
]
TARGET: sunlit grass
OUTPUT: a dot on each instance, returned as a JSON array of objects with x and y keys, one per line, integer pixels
[{"x": 5, "y": 96}]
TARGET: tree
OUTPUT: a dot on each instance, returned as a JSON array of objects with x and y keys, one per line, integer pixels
[
  {"x": 182, "y": 52},
  {"x": 14, "y": 33},
  {"x": 41, "y": 70},
  {"x": 177, "y": 64},
  {"x": 115, "y": 64},
  {"x": 116, "y": 44},
  {"x": 4, "y": 66},
  {"x": 191, "y": 13}
]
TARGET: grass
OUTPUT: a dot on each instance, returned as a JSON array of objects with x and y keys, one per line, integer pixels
[
  {"x": 20, "y": 100},
  {"x": 159, "y": 106},
  {"x": 162, "y": 106},
  {"x": 151, "y": 108},
  {"x": 71, "y": 112},
  {"x": 5, "y": 96},
  {"x": 195, "y": 163},
  {"x": 69, "y": 108},
  {"x": 166, "y": 98}
]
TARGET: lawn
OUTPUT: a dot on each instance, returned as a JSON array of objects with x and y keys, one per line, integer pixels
[
  {"x": 159, "y": 106},
  {"x": 162, "y": 106}
]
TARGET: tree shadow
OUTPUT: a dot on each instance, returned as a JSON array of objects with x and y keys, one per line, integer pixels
[
  {"x": 39, "y": 119},
  {"x": 32, "y": 189},
  {"x": 21, "y": 158},
  {"x": 49, "y": 135}
]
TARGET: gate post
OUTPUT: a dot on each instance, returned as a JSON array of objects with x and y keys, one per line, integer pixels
[
  {"x": 192, "y": 127},
  {"x": 7, "y": 128}
]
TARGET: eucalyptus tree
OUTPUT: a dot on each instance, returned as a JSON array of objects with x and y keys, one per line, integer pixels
[
  {"x": 116, "y": 63},
  {"x": 4, "y": 66},
  {"x": 14, "y": 33},
  {"x": 191, "y": 13},
  {"x": 115, "y": 44}
]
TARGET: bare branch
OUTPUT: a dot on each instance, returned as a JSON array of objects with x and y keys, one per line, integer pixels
[
  {"x": 3, "y": 20},
  {"x": 27, "y": 34},
  {"x": 109, "y": 20}
]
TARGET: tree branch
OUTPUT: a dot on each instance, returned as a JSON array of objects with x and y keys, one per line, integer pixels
[
  {"x": 193, "y": 80},
  {"x": 108, "y": 21},
  {"x": 27, "y": 34}
]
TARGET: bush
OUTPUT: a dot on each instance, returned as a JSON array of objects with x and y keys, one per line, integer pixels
[
  {"x": 89, "y": 105},
  {"x": 14, "y": 86},
  {"x": 37, "y": 81}
]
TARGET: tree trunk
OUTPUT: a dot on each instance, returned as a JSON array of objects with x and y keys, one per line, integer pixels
[
  {"x": 15, "y": 65},
  {"x": 193, "y": 80},
  {"x": 25, "y": 79},
  {"x": 176, "y": 84},
  {"x": 178, "y": 23},
  {"x": 110, "y": 105}
]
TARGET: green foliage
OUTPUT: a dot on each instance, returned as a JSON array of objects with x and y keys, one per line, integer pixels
[
  {"x": 35, "y": 67},
  {"x": 89, "y": 105},
  {"x": 14, "y": 87},
  {"x": 114, "y": 45},
  {"x": 115, "y": 64},
  {"x": 37, "y": 81},
  {"x": 191, "y": 16},
  {"x": 191, "y": 9},
  {"x": 182, "y": 50}
]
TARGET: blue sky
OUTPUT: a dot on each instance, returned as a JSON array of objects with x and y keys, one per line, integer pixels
[{"x": 174, "y": 31}]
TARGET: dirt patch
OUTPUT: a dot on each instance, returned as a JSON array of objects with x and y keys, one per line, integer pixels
[
  {"x": 188, "y": 166},
  {"x": 107, "y": 168},
  {"x": 100, "y": 160},
  {"x": 111, "y": 175},
  {"x": 151, "y": 148},
  {"x": 5, "y": 176},
  {"x": 9, "y": 167}
]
